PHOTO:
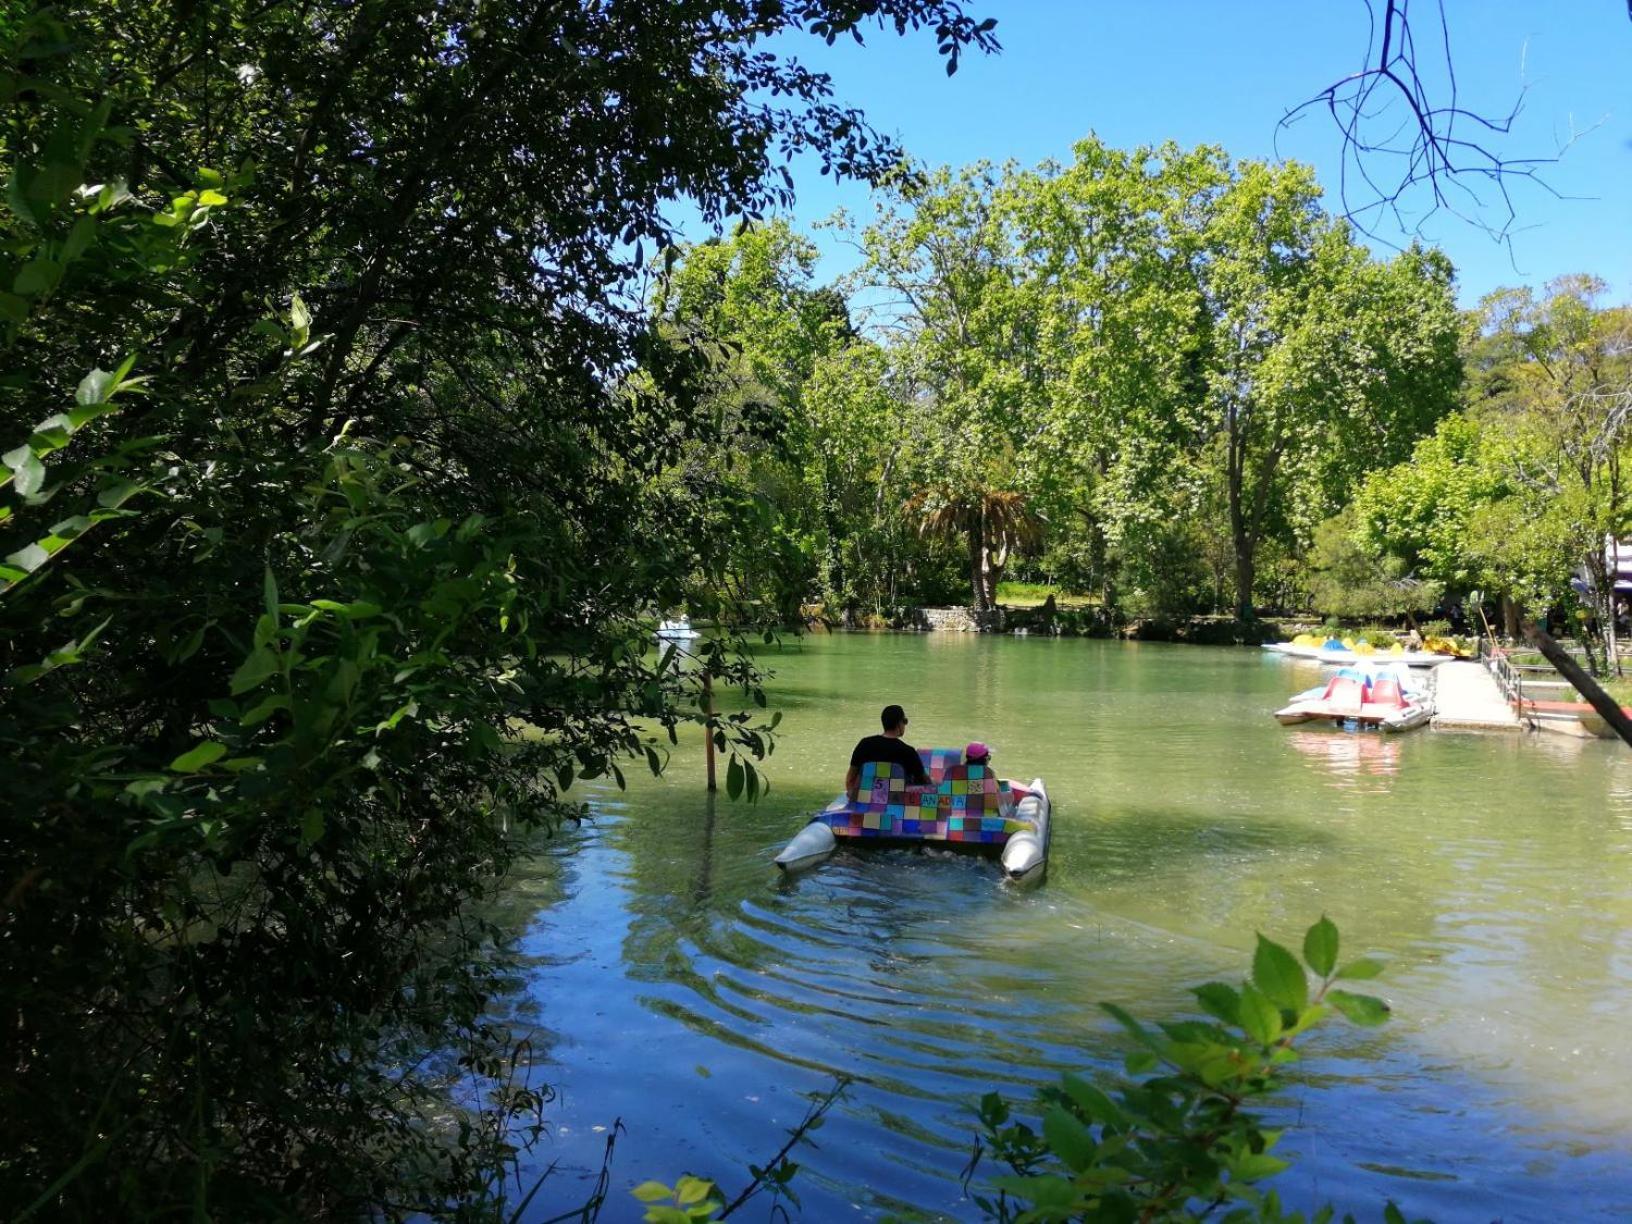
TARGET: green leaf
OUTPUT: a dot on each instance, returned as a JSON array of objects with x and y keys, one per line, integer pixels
[
  {"x": 94, "y": 388},
  {"x": 1069, "y": 1139},
  {"x": 406, "y": 710},
  {"x": 269, "y": 592},
  {"x": 734, "y": 778},
  {"x": 1320, "y": 946},
  {"x": 689, "y": 1190},
  {"x": 1362, "y": 969},
  {"x": 1260, "y": 1018},
  {"x": 117, "y": 493},
  {"x": 311, "y": 826},
  {"x": 197, "y": 758},
  {"x": 29, "y": 558},
  {"x": 1046, "y": 1193},
  {"x": 26, "y": 469},
  {"x": 1092, "y": 1101},
  {"x": 300, "y": 319},
  {"x": 1257, "y": 1165},
  {"x": 652, "y": 1192},
  {"x": 1365, "y": 1010},
  {"x": 1276, "y": 972},
  {"x": 254, "y": 670},
  {"x": 39, "y": 275},
  {"x": 79, "y": 238},
  {"x": 1220, "y": 1000},
  {"x": 209, "y": 198},
  {"x": 1121, "y": 1016},
  {"x": 1140, "y": 1062},
  {"x": 356, "y": 610},
  {"x": 264, "y": 710}
]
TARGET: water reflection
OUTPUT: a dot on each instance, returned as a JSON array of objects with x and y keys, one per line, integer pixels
[
  {"x": 1352, "y": 760},
  {"x": 702, "y": 998}
]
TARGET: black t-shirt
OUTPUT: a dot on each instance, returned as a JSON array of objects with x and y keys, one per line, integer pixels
[{"x": 893, "y": 749}]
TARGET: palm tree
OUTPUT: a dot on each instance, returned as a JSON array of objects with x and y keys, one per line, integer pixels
[{"x": 995, "y": 521}]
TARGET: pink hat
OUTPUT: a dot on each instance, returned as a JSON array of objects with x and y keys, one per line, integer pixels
[{"x": 976, "y": 751}]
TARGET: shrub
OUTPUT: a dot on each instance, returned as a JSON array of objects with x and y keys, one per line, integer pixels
[{"x": 1177, "y": 1138}]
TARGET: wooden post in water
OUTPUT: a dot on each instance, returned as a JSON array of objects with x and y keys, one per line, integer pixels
[{"x": 708, "y": 730}]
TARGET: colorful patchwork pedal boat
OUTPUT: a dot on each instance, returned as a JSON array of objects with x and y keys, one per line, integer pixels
[{"x": 964, "y": 807}]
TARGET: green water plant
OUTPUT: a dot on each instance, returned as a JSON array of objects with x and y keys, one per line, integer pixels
[{"x": 1179, "y": 1136}]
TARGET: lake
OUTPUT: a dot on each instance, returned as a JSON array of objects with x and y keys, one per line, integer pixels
[{"x": 682, "y": 986}]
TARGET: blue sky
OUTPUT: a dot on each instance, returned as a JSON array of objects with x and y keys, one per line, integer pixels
[{"x": 1207, "y": 71}]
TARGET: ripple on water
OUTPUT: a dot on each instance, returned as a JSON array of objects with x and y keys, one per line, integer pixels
[{"x": 702, "y": 999}]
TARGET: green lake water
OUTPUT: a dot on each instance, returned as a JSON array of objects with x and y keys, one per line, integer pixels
[{"x": 683, "y": 987}]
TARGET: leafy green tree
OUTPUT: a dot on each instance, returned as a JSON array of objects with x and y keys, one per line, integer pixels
[
  {"x": 939, "y": 254},
  {"x": 1556, "y": 372},
  {"x": 1349, "y": 579},
  {"x": 1098, "y": 243},
  {"x": 335, "y": 524},
  {"x": 1317, "y": 353}
]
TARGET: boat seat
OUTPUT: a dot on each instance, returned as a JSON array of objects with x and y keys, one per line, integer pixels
[
  {"x": 1345, "y": 690},
  {"x": 966, "y": 803},
  {"x": 938, "y": 760},
  {"x": 1386, "y": 691}
]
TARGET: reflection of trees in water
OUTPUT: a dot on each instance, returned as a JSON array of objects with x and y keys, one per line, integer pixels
[{"x": 1350, "y": 756}]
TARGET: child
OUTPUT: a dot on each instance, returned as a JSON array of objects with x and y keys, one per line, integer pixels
[{"x": 978, "y": 753}]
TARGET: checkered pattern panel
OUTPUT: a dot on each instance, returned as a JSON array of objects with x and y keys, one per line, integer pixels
[
  {"x": 964, "y": 803},
  {"x": 938, "y": 760}
]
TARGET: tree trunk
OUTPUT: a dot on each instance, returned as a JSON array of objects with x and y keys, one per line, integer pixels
[
  {"x": 997, "y": 562},
  {"x": 834, "y": 531},
  {"x": 1240, "y": 538},
  {"x": 1245, "y": 567},
  {"x": 1510, "y": 617},
  {"x": 1608, "y": 709},
  {"x": 977, "y": 563},
  {"x": 1612, "y": 650}
]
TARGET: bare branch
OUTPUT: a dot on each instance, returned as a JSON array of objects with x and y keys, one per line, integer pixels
[{"x": 1410, "y": 148}]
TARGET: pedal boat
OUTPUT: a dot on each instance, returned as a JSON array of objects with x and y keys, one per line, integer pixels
[
  {"x": 1360, "y": 699},
  {"x": 1335, "y": 653},
  {"x": 964, "y": 807}
]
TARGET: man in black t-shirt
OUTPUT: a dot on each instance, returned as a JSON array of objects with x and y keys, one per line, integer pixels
[{"x": 887, "y": 747}]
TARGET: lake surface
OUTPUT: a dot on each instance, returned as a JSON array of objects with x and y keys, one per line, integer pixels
[{"x": 681, "y": 986}]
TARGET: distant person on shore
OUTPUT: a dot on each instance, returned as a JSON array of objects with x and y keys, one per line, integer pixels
[{"x": 887, "y": 747}]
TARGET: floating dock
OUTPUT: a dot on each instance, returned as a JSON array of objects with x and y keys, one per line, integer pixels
[{"x": 1467, "y": 698}]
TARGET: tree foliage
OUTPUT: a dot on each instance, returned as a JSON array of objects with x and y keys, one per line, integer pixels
[
  {"x": 1178, "y": 1137},
  {"x": 336, "y": 518}
]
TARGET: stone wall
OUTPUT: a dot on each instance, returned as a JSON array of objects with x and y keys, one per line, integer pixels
[{"x": 964, "y": 620}]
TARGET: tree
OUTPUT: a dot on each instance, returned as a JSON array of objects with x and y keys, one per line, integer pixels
[
  {"x": 1315, "y": 350},
  {"x": 1551, "y": 377},
  {"x": 939, "y": 250},
  {"x": 1349, "y": 579},
  {"x": 335, "y": 522}
]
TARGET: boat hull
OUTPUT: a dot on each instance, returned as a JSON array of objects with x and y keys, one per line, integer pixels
[
  {"x": 810, "y": 846},
  {"x": 1343, "y": 658},
  {"x": 1394, "y": 721},
  {"x": 1025, "y": 854}
]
